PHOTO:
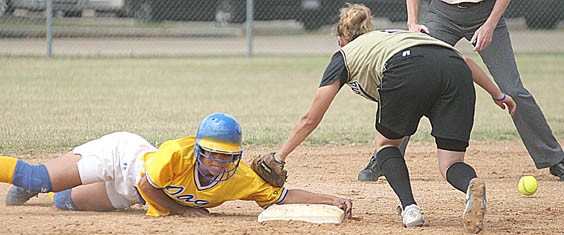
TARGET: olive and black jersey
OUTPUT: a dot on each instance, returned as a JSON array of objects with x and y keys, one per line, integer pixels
[{"x": 361, "y": 62}]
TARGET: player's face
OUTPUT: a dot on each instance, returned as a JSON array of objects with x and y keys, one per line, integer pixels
[{"x": 216, "y": 162}]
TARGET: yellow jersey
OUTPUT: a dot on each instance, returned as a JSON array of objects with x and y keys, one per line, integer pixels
[{"x": 173, "y": 168}]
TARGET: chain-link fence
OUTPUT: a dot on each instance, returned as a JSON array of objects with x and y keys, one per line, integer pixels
[{"x": 179, "y": 27}]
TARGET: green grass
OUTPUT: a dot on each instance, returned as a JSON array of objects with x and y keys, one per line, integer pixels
[{"x": 49, "y": 104}]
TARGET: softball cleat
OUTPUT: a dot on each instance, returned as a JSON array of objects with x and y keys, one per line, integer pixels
[
  {"x": 17, "y": 196},
  {"x": 475, "y": 211},
  {"x": 371, "y": 172},
  {"x": 412, "y": 216}
]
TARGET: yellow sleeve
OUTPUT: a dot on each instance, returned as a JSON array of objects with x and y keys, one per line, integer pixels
[
  {"x": 160, "y": 170},
  {"x": 261, "y": 192},
  {"x": 153, "y": 209},
  {"x": 164, "y": 165},
  {"x": 269, "y": 195}
]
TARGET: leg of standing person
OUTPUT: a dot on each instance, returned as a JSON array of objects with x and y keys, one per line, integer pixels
[
  {"x": 393, "y": 167},
  {"x": 408, "y": 90},
  {"x": 452, "y": 118},
  {"x": 440, "y": 31},
  {"x": 444, "y": 22},
  {"x": 531, "y": 124},
  {"x": 463, "y": 177}
]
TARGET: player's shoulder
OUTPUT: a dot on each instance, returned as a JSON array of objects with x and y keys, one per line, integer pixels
[
  {"x": 245, "y": 172},
  {"x": 186, "y": 140},
  {"x": 180, "y": 143}
]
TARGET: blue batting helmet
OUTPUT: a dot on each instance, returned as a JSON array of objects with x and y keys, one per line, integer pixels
[{"x": 219, "y": 133}]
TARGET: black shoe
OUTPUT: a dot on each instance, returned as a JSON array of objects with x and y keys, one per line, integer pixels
[
  {"x": 558, "y": 170},
  {"x": 371, "y": 172}
]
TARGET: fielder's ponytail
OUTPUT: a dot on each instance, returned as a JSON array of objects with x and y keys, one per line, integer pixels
[{"x": 354, "y": 20}]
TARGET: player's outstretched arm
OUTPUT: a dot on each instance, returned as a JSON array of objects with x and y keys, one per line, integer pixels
[
  {"x": 481, "y": 78},
  {"x": 310, "y": 119},
  {"x": 270, "y": 166},
  {"x": 157, "y": 196},
  {"x": 298, "y": 196}
]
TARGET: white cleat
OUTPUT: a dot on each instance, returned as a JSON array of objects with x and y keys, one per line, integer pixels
[
  {"x": 475, "y": 211},
  {"x": 412, "y": 216}
]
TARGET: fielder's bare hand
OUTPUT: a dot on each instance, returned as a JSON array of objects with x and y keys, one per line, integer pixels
[
  {"x": 482, "y": 37},
  {"x": 506, "y": 101},
  {"x": 418, "y": 28}
]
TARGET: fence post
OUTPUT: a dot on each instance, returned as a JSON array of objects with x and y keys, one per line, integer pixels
[
  {"x": 49, "y": 27},
  {"x": 249, "y": 30}
]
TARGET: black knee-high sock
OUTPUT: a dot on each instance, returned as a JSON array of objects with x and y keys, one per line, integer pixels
[
  {"x": 459, "y": 175},
  {"x": 393, "y": 166}
]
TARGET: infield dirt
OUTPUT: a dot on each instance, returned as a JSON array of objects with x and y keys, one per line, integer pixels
[{"x": 333, "y": 170}]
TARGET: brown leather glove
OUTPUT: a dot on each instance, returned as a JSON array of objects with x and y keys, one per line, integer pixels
[{"x": 269, "y": 169}]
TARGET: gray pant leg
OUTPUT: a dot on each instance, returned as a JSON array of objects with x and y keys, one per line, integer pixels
[
  {"x": 440, "y": 26},
  {"x": 529, "y": 119},
  {"x": 449, "y": 23}
]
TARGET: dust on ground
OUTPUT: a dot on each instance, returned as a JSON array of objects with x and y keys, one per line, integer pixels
[{"x": 333, "y": 170}]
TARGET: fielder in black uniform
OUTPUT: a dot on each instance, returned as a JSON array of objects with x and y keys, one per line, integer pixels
[{"x": 410, "y": 75}]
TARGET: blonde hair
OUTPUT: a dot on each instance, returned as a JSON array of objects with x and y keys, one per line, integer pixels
[{"x": 354, "y": 20}]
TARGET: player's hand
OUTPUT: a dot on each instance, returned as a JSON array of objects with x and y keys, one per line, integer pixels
[
  {"x": 507, "y": 102},
  {"x": 418, "y": 28},
  {"x": 482, "y": 37},
  {"x": 195, "y": 212},
  {"x": 345, "y": 205}
]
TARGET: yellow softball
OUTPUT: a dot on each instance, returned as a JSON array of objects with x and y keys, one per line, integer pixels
[{"x": 528, "y": 185}]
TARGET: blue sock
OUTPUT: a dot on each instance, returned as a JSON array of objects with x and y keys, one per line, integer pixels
[
  {"x": 63, "y": 201},
  {"x": 34, "y": 179}
]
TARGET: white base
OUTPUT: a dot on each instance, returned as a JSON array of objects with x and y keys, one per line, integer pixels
[{"x": 313, "y": 213}]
